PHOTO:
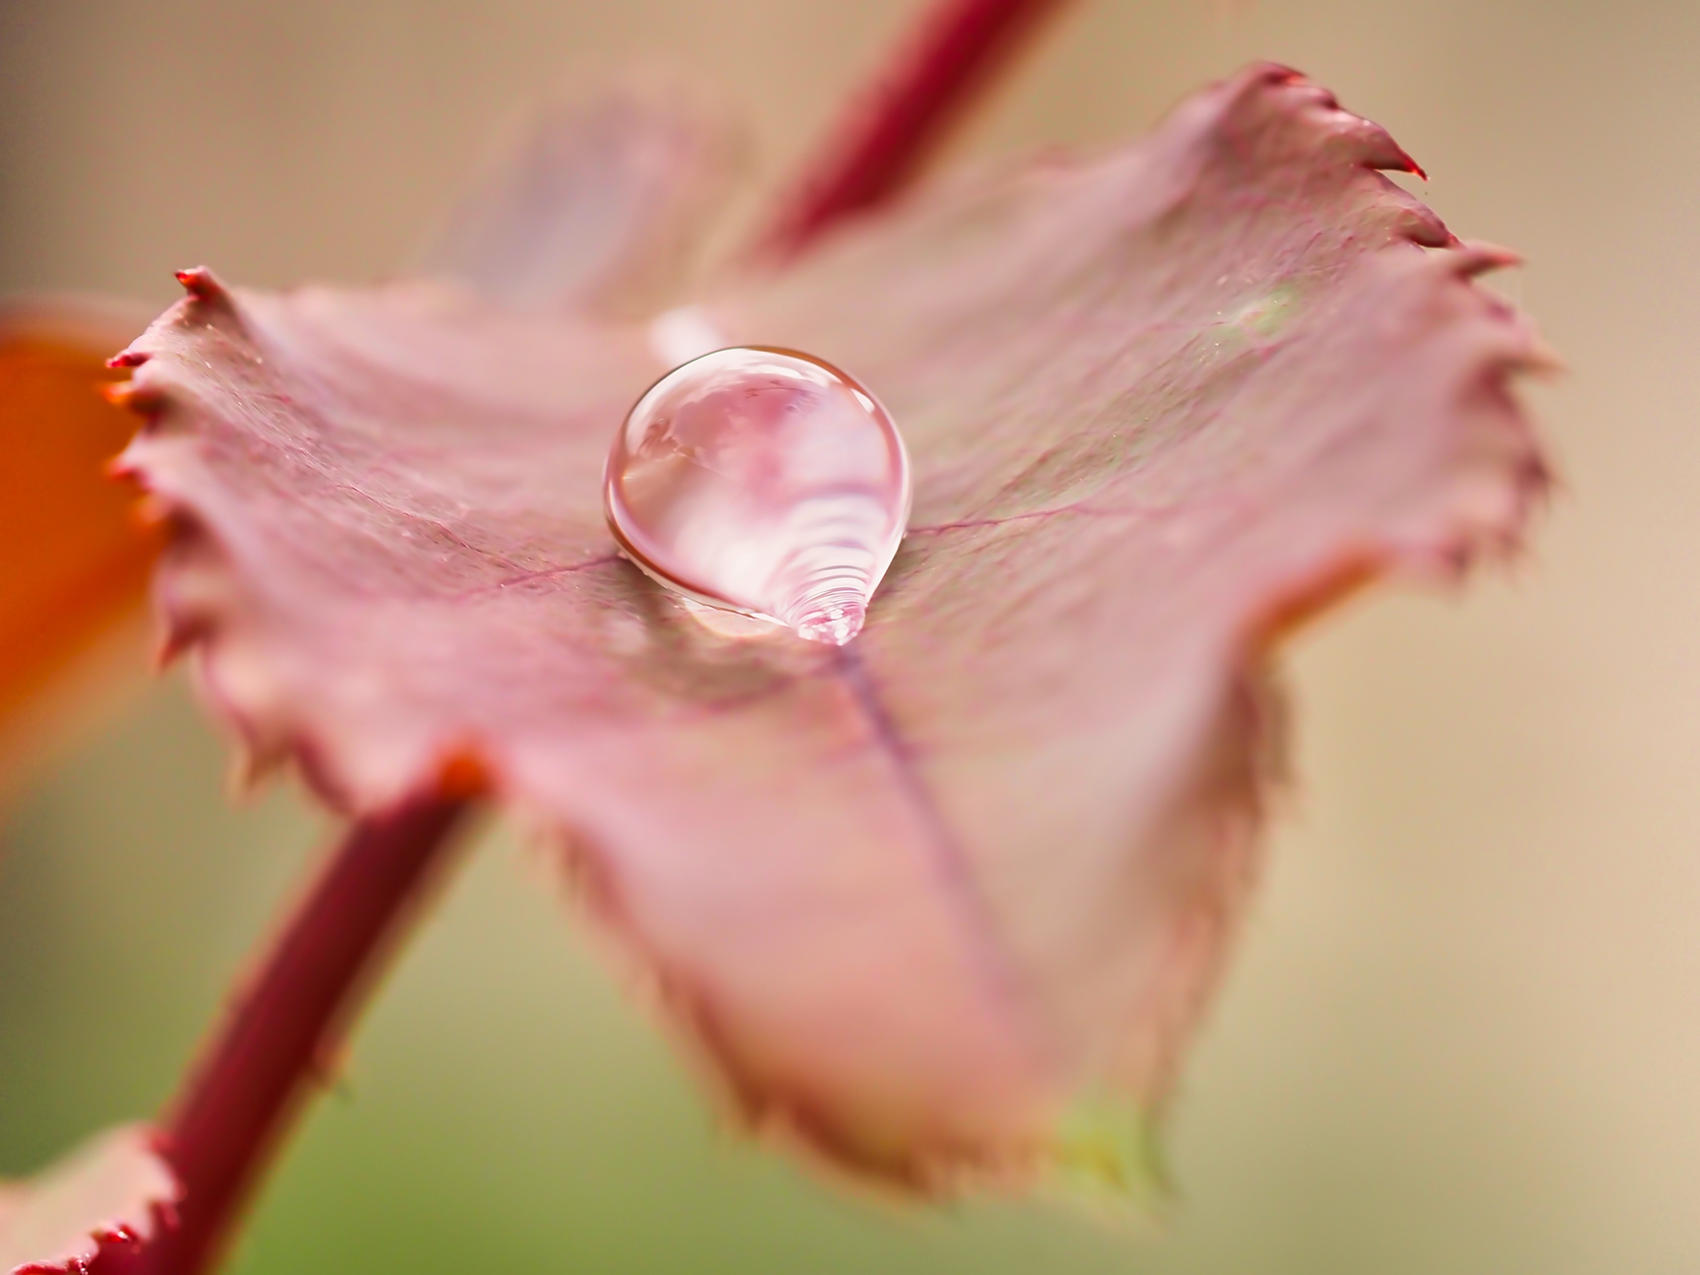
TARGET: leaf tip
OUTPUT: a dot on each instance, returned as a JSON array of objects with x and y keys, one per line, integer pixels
[{"x": 199, "y": 282}]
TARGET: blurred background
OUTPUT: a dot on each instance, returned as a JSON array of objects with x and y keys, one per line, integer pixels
[{"x": 1463, "y": 1032}]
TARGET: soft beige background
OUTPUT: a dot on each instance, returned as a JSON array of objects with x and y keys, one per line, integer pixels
[{"x": 1464, "y": 1032}]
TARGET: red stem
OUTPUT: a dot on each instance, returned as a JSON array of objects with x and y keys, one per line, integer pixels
[
  {"x": 284, "y": 1026},
  {"x": 896, "y": 123},
  {"x": 282, "y": 1031}
]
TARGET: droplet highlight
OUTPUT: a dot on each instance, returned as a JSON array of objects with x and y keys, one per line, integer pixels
[{"x": 764, "y": 482}]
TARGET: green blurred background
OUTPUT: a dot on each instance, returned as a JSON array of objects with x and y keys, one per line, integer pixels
[{"x": 1463, "y": 1033}]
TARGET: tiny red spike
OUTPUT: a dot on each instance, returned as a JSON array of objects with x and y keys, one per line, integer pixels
[{"x": 199, "y": 282}]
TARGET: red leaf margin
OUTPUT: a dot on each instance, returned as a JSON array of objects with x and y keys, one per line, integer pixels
[{"x": 103, "y": 1200}]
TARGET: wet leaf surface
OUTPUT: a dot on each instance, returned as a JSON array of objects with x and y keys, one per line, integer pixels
[{"x": 938, "y": 901}]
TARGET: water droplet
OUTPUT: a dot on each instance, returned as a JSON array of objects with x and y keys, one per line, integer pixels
[{"x": 764, "y": 482}]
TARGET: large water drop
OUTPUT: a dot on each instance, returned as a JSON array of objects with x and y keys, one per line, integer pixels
[{"x": 765, "y": 482}]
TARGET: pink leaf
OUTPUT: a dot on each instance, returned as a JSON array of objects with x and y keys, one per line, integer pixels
[
  {"x": 596, "y": 205},
  {"x": 933, "y": 901},
  {"x": 109, "y": 1194}
]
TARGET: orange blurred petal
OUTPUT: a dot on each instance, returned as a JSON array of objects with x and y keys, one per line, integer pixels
[{"x": 76, "y": 557}]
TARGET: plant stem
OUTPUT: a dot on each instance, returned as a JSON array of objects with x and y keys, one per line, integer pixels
[
  {"x": 895, "y": 124},
  {"x": 284, "y": 1027}
]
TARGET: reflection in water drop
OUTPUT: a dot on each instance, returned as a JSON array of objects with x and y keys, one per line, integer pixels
[{"x": 763, "y": 482}]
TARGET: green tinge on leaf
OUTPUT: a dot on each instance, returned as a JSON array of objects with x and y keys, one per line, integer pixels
[
  {"x": 1263, "y": 317},
  {"x": 1108, "y": 1154}
]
